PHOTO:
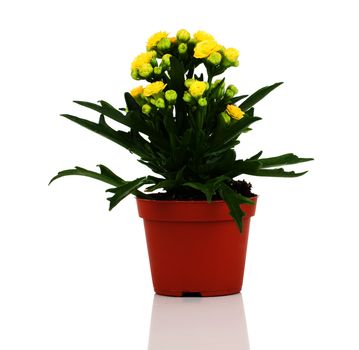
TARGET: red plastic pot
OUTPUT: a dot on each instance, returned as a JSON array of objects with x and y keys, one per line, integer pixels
[{"x": 195, "y": 247}]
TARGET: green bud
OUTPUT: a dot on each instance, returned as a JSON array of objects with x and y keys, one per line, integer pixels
[
  {"x": 157, "y": 70},
  {"x": 146, "y": 109},
  {"x": 183, "y": 35},
  {"x": 164, "y": 44},
  {"x": 182, "y": 48},
  {"x": 215, "y": 58},
  {"x": 226, "y": 117},
  {"x": 202, "y": 102},
  {"x": 187, "y": 97},
  {"x": 145, "y": 70},
  {"x": 229, "y": 93},
  {"x": 166, "y": 60},
  {"x": 171, "y": 96},
  {"x": 160, "y": 103},
  {"x": 134, "y": 74},
  {"x": 189, "y": 82},
  {"x": 233, "y": 88},
  {"x": 226, "y": 63}
]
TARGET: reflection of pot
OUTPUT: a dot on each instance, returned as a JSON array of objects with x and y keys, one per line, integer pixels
[
  {"x": 195, "y": 247},
  {"x": 198, "y": 323}
]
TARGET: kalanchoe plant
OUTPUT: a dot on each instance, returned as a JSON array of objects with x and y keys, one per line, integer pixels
[{"x": 184, "y": 126}]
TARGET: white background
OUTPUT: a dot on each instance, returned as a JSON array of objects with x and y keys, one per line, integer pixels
[{"x": 75, "y": 276}]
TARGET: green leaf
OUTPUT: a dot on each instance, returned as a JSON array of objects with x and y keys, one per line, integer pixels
[
  {"x": 235, "y": 99},
  {"x": 232, "y": 132},
  {"x": 244, "y": 167},
  {"x": 134, "y": 119},
  {"x": 119, "y": 137},
  {"x": 105, "y": 175},
  {"x": 234, "y": 200},
  {"x": 209, "y": 188},
  {"x": 257, "y": 96},
  {"x": 256, "y": 156},
  {"x": 124, "y": 190},
  {"x": 132, "y": 105},
  {"x": 285, "y": 159},
  {"x": 165, "y": 184},
  {"x": 105, "y": 109},
  {"x": 277, "y": 172}
]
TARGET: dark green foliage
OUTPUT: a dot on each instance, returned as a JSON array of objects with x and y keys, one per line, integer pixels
[{"x": 190, "y": 147}]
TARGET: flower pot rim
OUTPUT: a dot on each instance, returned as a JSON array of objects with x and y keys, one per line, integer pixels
[
  {"x": 200, "y": 201},
  {"x": 182, "y": 211}
]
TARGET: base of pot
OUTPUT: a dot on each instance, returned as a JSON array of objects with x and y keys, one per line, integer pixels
[{"x": 210, "y": 293}]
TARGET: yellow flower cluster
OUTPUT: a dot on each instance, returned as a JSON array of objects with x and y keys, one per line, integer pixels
[
  {"x": 162, "y": 50},
  {"x": 141, "y": 66},
  {"x": 201, "y": 46},
  {"x": 153, "y": 95}
]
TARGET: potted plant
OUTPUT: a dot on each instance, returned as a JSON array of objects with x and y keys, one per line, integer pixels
[{"x": 184, "y": 126}]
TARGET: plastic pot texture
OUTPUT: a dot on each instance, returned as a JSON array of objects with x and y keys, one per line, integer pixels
[{"x": 195, "y": 247}]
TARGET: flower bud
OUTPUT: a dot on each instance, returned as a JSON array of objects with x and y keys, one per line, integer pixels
[
  {"x": 183, "y": 35},
  {"x": 202, "y": 102},
  {"x": 230, "y": 57},
  {"x": 157, "y": 70},
  {"x": 233, "y": 88},
  {"x": 145, "y": 70},
  {"x": 166, "y": 60},
  {"x": 229, "y": 93},
  {"x": 225, "y": 117},
  {"x": 134, "y": 74},
  {"x": 171, "y": 96},
  {"x": 187, "y": 97},
  {"x": 164, "y": 44},
  {"x": 160, "y": 103},
  {"x": 214, "y": 58},
  {"x": 146, "y": 109},
  {"x": 182, "y": 48}
]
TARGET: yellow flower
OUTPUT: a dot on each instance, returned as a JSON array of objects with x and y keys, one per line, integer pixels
[
  {"x": 234, "y": 111},
  {"x": 204, "y": 48},
  {"x": 197, "y": 88},
  {"x": 142, "y": 59},
  {"x": 201, "y": 36},
  {"x": 231, "y": 54},
  {"x": 137, "y": 91},
  {"x": 154, "y": 88},
  {"x": 173, "y": 40},
  {"x": 155, "y": 39}
]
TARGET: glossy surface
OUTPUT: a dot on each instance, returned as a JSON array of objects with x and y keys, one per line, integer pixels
[{"x": 195, "y": 247}]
